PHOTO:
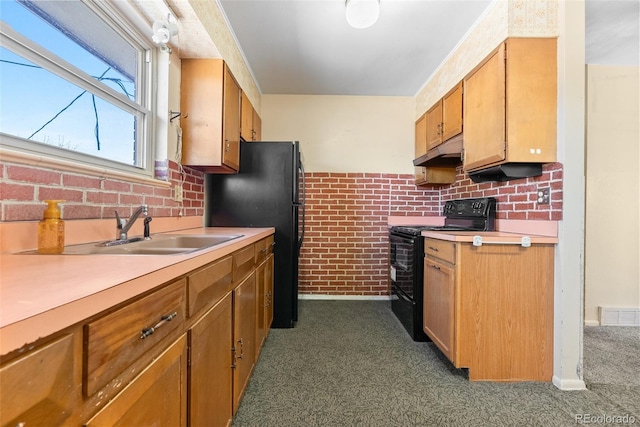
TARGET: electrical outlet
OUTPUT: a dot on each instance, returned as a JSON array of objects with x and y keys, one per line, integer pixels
[
  {"x": 543, "y": 196},
  {"x": 177, "y": 193}
]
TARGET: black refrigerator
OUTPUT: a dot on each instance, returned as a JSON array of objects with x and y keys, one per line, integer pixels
[{"x": 267, "y": 192}]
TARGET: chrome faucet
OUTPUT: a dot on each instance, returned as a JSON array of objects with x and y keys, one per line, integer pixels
[{"x": 123, "y": 225}]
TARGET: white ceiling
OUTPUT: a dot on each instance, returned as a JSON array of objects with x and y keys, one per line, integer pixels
[{"x": 307, "y": 47}]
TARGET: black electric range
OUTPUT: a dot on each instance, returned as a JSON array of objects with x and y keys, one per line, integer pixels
[{"x": 407, "y": 253}]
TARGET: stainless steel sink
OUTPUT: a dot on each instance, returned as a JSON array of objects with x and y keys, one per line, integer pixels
[{"x": 160, "y": 244}]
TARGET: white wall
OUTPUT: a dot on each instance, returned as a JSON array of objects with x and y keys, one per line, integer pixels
[
  {"x": 344, "y": 133},
  {"x": 612, "y": 256}
]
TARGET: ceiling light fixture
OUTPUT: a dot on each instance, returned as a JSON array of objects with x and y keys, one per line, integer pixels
[{"x": 362, "y": 13}]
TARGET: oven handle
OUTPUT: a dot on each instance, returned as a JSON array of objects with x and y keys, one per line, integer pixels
[{"x": 403, "y": 296}]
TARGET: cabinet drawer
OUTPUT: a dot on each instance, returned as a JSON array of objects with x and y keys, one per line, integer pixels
[
  {"x": 243, "y": 262},
  {"x": 441, "y": 249},
  {"x": 263, "y": 248},
  {"x": 127, "y": 335},
  {"x": 207, "y": 285}
]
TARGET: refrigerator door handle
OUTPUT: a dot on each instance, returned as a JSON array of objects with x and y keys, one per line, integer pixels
[{"x": 303, "y": 204}]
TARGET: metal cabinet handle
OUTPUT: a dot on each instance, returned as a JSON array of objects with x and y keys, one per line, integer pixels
[
  {"x": 241, "y": 349},
  {"x": 164, "y": 319},
  {"x": 433, "y": 249}
]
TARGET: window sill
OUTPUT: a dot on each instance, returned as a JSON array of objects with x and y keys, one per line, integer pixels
[{"x": 8, "y": 155}]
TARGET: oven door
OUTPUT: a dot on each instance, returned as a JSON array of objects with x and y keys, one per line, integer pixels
[{"x": 402, "y": 263}]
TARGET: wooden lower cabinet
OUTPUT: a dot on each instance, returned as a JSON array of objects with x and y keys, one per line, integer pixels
[
  {"x": 244, "y": 336},
  {"x": 37, "y": 388},
  {"x": 490, "y": 308},
  {"x": 156, "y": 397},
  {"x": 181, "y": 354},
  {"x": 210, "y": 374},
  {"x": 439, "y": 305},
  {"x": 264, "y": 301}
]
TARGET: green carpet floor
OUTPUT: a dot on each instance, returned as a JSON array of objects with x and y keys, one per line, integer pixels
[{"x": 350, "y": 363}]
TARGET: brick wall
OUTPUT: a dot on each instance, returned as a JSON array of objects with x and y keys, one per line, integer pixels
[
  {"x": 345, "y": 250},
  {"x": 23, "y": 188},
  {"x": 346, "y": 239},
  {"x": 516, "y": 199}
]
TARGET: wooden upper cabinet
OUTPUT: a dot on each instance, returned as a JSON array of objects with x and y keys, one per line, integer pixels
[
  {"x": 210, "y": 107},
  {"x": 452, "y": 113},
  {"x": 251, "y": 124},
  {"x": 434, "y": 125},
  {"x": 257, "y": 126},
  {"x": 444, "y": 119},
  {"x": 510, "y": 105},
  {"x": 231, "y": 126},
  {"x": 246, "y": 123},
  {"x": 420, "y": 147},
  {"x": 429, "y": 175}
]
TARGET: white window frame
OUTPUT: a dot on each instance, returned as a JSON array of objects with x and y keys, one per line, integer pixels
[{"x": 143, "y": 107}]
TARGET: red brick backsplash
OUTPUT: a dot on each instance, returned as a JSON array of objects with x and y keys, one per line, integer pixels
[
  {"x": 23, "y": 189},
  {"x": 517, "y": 199},
  {"x": 345, "y": 251}
]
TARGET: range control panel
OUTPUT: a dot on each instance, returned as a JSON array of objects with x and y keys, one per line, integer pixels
[{"x": 484, "y": 207}]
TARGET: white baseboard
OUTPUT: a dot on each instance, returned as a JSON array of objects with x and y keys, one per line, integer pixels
[
  {"x": 613, "y": 316},
  {"x": 344, "y": 297},
  {"x": 591, "y": 323},
  {"x": 568, "y": 384}
]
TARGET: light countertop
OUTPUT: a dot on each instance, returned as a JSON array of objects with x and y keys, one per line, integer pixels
[
  {"x": 42, "y": 294},
  {"x": 489, "y": 237}
]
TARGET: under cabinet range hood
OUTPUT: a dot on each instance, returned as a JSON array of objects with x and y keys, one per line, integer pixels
[
  {"x": 506, "y": 172},
  {"x": 449, "y": 153}
]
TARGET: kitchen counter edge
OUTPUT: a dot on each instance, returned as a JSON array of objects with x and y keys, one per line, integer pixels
[
  {"x": 25, "y": 320},
  {"x": 495, "y": 237}
]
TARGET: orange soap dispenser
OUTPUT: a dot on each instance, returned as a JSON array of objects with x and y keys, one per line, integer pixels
[{"x": 51, "y": 230}]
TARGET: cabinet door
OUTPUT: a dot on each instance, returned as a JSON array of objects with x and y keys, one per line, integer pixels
[
  {"x": 261, "y": 302},
  {"x": 202, "y": 87},
  {"x": 37, "y": 387},
  {"x": 210, "y": 379},
  {"x": 484, "y": 113},
  {"x": 264, "y": 301},
  {"x": 246, "y": 118},
  {"x": 268, "y": 293},
  {"x": 231, "y": 127},
  {"x": 531, "y": 79},
  {"x": 452, "y": 113},
  {"x": 257, "y": 126},
  {"x": 244, "y": 336},
  {"x": 439, "y": 305},
  {"x": 156, "y": 397},
  {"x": 420, "y": 147},
  {"x": 434, "y": 126}
]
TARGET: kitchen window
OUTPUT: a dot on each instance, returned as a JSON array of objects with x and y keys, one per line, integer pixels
[{"x": 76, "y": 84}]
